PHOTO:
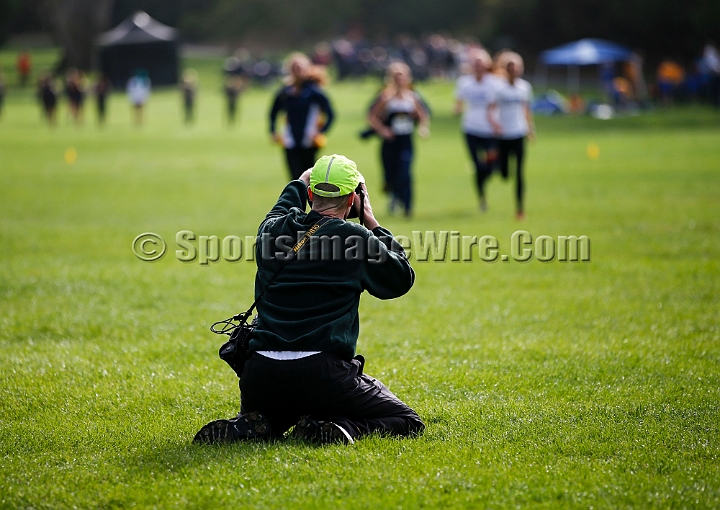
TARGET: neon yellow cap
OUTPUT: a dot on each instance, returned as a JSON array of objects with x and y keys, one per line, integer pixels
[{"x": 338, "y": 171}]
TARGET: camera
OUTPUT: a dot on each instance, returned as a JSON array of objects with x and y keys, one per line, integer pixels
[{"x": 353, "y": 212}]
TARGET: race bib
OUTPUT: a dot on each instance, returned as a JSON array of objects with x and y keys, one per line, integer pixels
[{"x": 402, "y": 124}]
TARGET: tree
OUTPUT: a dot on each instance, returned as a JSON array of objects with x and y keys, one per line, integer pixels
[
  {"x": 9, "y": 9},
  {"x": 659, "y": 28},
  {"x": 76, "y": 25}
]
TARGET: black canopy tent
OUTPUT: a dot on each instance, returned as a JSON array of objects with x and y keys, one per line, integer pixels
[{"x": 139, "y": 42}]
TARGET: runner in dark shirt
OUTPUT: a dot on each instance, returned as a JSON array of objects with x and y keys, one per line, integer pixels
[{"x": 308, "y": 112}]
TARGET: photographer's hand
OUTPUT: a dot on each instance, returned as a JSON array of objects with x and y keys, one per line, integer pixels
[
  {"x": 369, "y": 219},
  {"x": 305, "y": 177}
]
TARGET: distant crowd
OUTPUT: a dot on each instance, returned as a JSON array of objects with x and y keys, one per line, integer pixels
[
  {"x": 701, "y": 81},
  {"x": 436, "y": 56}
]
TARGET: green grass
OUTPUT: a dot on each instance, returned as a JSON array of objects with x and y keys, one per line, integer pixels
[{"x": 542, "y": 384}]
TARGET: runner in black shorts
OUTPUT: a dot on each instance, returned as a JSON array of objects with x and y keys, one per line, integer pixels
[
  {"x": 515, "y": 124},
  {"x": 474, "y": 93},
  {"x": 308, "y": 112}
]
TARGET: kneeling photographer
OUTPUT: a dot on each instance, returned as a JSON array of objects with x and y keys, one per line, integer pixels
[{"x": 302, "y": 371}]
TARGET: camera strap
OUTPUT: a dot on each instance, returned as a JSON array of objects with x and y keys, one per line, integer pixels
[
  {"x": 227, "y": 325},
  {"x": 292, "y": 255}
]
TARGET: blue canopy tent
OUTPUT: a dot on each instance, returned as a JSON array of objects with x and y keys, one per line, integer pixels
[
  {"x": 582, "y": 53},
  {"x": 586, "y": 52}
]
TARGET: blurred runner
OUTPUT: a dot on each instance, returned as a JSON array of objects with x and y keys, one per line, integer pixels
[
  {"x": 394, "y": 117},
  {"x": 24, "y": 66},
  {"x": 138, "y": 91},
  {"x": 75, "y": 92},
  {"x": 515, "y": 123},
  {"x": 48, "y": 97},
  {"x": 308, "y": 113},
  {"x": 234, "y": 85},
  {"x": 188, "y": 86},
  {"x": 670, "y": 77},
  {"x": 3, "y": 89},
  {"x": 102, "y": 90},
  {"x": 474, "y": 93},
  {"x": 711, "y": 61}
]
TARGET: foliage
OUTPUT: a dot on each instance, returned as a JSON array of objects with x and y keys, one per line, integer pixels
[
  {"x": 9, "y": 11},
  {"x": 659, "y": 28}
]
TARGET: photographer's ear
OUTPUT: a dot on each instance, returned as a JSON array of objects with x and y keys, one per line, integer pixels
[{"x": 310, "y": 194}]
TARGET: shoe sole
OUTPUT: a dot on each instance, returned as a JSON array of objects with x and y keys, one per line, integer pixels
[
  {"x": 321, "y": 432},
  {"x": 249, "y": 426},
  {"x": 306, "y": 430},
  {"x": 214, "y": 432},
  {"x": 331, "y": 433}
]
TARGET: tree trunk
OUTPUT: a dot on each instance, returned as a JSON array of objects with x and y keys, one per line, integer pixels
[{"x": 77, "y": 25}]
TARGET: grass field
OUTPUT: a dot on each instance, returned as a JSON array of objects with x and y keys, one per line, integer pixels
[{"x": 553, "y": 385}]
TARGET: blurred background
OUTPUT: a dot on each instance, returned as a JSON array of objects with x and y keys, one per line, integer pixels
[{"x": 358, "y": 36}]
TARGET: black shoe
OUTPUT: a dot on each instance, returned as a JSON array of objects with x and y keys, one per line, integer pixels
[
  {"x": 244, "y": 427},
  {"x": 321, "y": 432}
]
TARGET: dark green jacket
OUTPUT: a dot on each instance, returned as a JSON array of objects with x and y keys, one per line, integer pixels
[{"x": 313, "y": 303}]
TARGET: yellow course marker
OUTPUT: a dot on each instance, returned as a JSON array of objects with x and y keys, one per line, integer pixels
[
  {"x": 70, "y": 155},
  {"x": 593, "y": 151}
]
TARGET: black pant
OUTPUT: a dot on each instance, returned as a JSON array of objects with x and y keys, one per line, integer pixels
[
  {"x": 397, "y": 155},
  {"x": 324, "y": 387},
  {"x": 101, "y": 107},
  {"x": 299, "y": 160},
  {"x": 715, "y": 89},
  {"x": 189, "y": 107},
  {"x": 483, "y": 167},
  {"x": 517, "y": 147},
  {"x": 231, "y": 109}
]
